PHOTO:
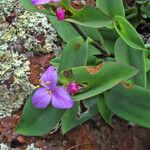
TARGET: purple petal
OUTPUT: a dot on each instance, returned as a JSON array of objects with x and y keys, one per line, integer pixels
[
  {"x": 41, "y": 98},
  {"x": 61, "y": 98},
  {"x": 39, "y": 2},
  {"x": 50, "y": 75}
]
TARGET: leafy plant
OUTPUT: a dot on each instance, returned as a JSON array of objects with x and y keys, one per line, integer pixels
[{"x": 104, "y": 67}]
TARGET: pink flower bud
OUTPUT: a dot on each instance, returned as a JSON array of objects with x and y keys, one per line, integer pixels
[
  {"x": 60, "y": 13},
  {"x": 73, "y": 88}
]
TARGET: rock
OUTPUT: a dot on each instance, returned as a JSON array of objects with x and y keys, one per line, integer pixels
[
  {"x": 21, "y": 30},
  {"x": 14, "y": 84}
]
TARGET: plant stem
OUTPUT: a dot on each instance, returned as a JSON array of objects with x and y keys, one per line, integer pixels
[
  {"x": 99, "y": 47},
  {"x": 79, "y": 30},
  {"x": 84, "y": 36}
]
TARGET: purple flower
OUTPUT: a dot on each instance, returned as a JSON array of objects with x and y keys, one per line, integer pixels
[
  {"x": 73, "y": 87},
  {"x": 60, "y": 13},
  {"x": 50, "y": 93},
  {"x": 40, "y": 2}
]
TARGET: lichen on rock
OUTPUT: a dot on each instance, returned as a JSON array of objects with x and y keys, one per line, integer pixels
[
  {"x": 14, "y": 84},
  {"x": 3, "y": 146},
  {"x": 23, "y": 30},
  {"x": 32, "y": 147}
]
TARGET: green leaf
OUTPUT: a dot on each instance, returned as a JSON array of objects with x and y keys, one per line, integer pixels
[
  {"x": 93, "y": 60},
  {"x": 67, "y": 4},
  {"x": 55, "y": 62},
  {"x": 93, "y": 51},
  {"x": 28, "y": 5},
  {"x": 147, "y": 59},
  {"x": 74, "y": 116},
  {"x": 94, "y": 34},
  {"x": 148, "y": 79},
  {"x": 110, "y": 36},
  {"x": 131, "y": 103},
  {"x": 67, "y": 31},
  {"x": 109, "y": 59},
  {"x": 90, "y": 17},
  {"x": 105, "y": 112},
  {"x": 128, "y": 33},
  {"x": 74, "y": 54},
  {"x": 111, "y": 7},
  {"x": 64, "y": 29},
  {"x": 38, "y": 122},
  {"x": 128, "y": 55},
  {"x": 97, "y": 78}
]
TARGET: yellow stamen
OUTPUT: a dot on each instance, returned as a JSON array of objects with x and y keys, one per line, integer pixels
[
  {"x": 48, "y": 82},
  {"x": 40, "y": 80},
  {"x": 37, "y": 86},
  {"x": 49, "y": 92}
]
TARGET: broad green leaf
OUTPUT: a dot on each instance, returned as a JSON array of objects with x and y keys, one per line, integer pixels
[
  {"x": 105, "y": 112},
  {"x": 67, "y": 4},
  {"x": 131, "y": 103},
  {"x": 147, "y": 59},
  {"x": 148, "y": 79},
  {"x": 38, "y": 122},
  {"x": 128, "y": 33},
  {"x": 74, "y": 54},
  {"x": 93, "y": 51},
  {"x": 94, "y": 34},
  {"x": 93, "y": 60},
  {"x": 28, "y": 5},
  {"x": 97, "y": 78},
  {"x": 111, "y": 7},
  {"x": 110, "y": 36},
  {"x": 109, "y": 59},
  {"x": 90, "y": 17},
  {"x": 55, "y": 62},
  {"x": 68, "y": 32},
  {"x": 74, "y": 116},
  {"x": 128, "y": 55},
  {"x": 64, "y": 29}
]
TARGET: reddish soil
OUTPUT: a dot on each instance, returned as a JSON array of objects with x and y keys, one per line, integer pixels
[
  {"x": 92, "y": 135},
  {"x": 37, "y": 65}
]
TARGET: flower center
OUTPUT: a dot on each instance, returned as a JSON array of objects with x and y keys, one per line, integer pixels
[
  {"x": 49, "y": 92},
  {"x": 40, "y": 80},
  {"x": 48, "y": 82},
  {"x": 37, "y": 86},
  {"x": 44, "y": 85}
]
